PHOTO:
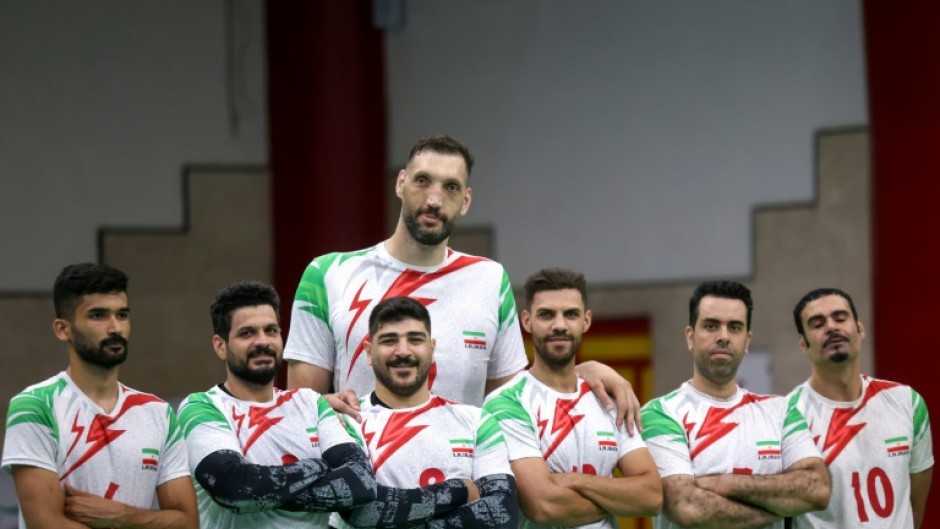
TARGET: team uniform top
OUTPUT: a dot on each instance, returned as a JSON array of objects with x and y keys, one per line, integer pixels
[
  {"x": 297, "y": 424},
  {"x": 689, "y": 432},
  {"x": 122, "y": 455},
  {"x": 871, "y": 446},
  {"x": 469, "y": 298},
  {"x": 572, "y": 432},
  {"x": 427, "y": 444}
]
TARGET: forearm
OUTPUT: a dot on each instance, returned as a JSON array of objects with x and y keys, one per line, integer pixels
[
  {"x": 134, "y": 518},
  {"x": 632, "y": 496},
  {"x": 690, "y": 506},
  {"x": 497, "y": 507},
  {"x": 556, "y": 503},
  {"x": 244, "y": 487},
  {"x": 349, "y": 484},
  {"x": 788, "y": 494},
  {"x": 395, "y": 508}
]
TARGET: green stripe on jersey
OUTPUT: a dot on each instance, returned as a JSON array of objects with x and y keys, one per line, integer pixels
[
  {"x": 476, "y": 334},
  {"x": 311, "y": 292},
  {"x": 150, "y": 451},
  {"x": 173, "y": 432},
  {"x": 902, "y": 439},
  {"x": 656, "y": 422},
  {"x": 507, "y": 405},
  {"x": 35, "y": 406},
  {"x": 794, "y": 420},
  {"x": 921, "y": 419},
  {"x": 198, "y": 409},
  {"x": 489, "y": 434},
  {"x": 507, "y": 305}
]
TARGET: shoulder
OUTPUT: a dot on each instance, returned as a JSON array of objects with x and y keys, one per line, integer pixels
[{"x": 137, "y": 397}]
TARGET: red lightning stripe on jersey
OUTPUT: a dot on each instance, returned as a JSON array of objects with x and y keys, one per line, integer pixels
[
  {"x": 100, "y": 434},
  {"x": 359, "y": 305},
  {"x": 713, "y": 426},
  {"x": 405, "y": 285},
  {"x": 542, "y": 423},
  {"x": 840, "y": 433},
  {"x": 397, "y": 433},
  {"x": 563, "y": 422},
  {"x": 77, "y": 430},
  {"x": 259, "y": 420}
]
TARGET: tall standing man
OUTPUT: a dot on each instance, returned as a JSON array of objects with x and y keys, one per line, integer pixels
[
  {"x": 438, "y": 464},
  {"x": 563, "y": 445},
  {"x": 729, "y": 458},
  {"x": 85, "y": 450},
  {"x": 874, "y": 434},
  {"x": 262, "y": 457},
  {"x": 469, "y": 297}
]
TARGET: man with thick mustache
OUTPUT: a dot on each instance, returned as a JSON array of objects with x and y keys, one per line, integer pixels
[
  {"x": 85, "y": 450},
  {"x": 263, "y": 457},
  {"x": 470, "y": 298},
  {"x": 874, "y": 434},
  {"x": 729, "y": 458}
]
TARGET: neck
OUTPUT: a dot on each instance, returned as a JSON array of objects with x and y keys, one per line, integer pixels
[
  {"x": 248, "y": 391},
  {"x": 395, "y": 401},
  {"x": 837, "y": 382},
  {"x": 100, "y": 384},
  {"x": 718, "y": 390},
  {"x": 562, "y": 379},
  {"x": 402, "y": 246}
]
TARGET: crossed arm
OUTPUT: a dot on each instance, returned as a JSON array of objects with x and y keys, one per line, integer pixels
[
  {"x": 45, "y": 505},
  {"x": 487, "y": 503}
]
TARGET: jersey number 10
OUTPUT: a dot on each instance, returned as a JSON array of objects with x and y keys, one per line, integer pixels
[{"x": 875, "y": 476}]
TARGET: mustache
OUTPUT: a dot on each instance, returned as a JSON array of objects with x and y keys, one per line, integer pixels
[
  {"x": 262, "y": 350},
  {"x": 114, "y": 339},
  {"x": 834, "y": 337},
  {"x": 403, "y": 362}
]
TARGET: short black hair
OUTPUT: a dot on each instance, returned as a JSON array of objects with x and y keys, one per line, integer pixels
[
  {"x": 554, "y": 279},
  {"x": 77, "y": 280},
  {"x": 720, "y": 289},
  {"x": 813, "y": 295},
  {"x": 442, "y": 144},
  {"x": 393, "y": 310},
  {"x": 237, "y": 295}
]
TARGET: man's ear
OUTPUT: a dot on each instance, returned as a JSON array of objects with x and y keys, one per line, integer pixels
[
  {"x": 526, "y": 320},
  {"x": 400, "y": 184},
  {"x": 219, "y": 346},
  {"x": 688, "y": 336},
  {"x": 467, "y": 199},
  {"x": 62, "y": 330}
]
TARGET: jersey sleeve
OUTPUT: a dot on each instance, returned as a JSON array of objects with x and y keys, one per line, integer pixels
[
  {"x": 173, "y": 462},
  {"x": 205, "y": 429},
  {"x": 490, "y": 455},
  {"x": 508, "y": 355},
  {"x": 514, "y": 422},
  {"x": 310, "y": 338},
  {"x": 666, "y": 440},
  {"x": 922, "y": 451},
  {"x": 797, "y": 441},
  {"x": 31, "y": 432},
  {"x": 626, "y": 443},
  {"x": 334, "y": 429}
]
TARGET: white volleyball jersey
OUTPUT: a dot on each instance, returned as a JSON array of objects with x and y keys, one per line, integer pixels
[
  {"x": 121, "y": 455},
  {"x": 572, "y": 432},
  {"x": 872, "y": 446},
  {"x": 473, "y": 316},
  {"x": 689, "y": 432},
  {"x": 297, "y": 424}
]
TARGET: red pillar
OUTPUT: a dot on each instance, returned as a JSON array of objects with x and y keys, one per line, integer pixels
[{"x": 903, "y": 55}]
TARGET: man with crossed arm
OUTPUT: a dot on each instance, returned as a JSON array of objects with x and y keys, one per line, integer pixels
[
  {"x": 729, "y": 458},
  {"x": 437, "y": 463},
  {"x": 262, "y": 457},
  {"x": 563, "y": 445}
]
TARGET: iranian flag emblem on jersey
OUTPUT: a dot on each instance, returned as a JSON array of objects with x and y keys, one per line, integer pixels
[
  {"x": 461, "y": 447},
  {"x": 314, "y": 437},
  {"x": 898, "y": 446},
  {"x": 151, "y": 458},
  {"x": 606, "y": 441},
  {"x": 474, "y": 340},
  {"x": 768, "y": 450}
]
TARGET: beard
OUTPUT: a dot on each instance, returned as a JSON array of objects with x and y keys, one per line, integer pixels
[
  {"x": 551, "y": 355},
  {"x": 720, "y": 371},
  {"x": 428, "y": 236},
  {"x": 100, "y": 356},
  {"x": 838, "y": 357},
  {"x": 402, "y": 388},
  {"x": 259, "y": 375}
]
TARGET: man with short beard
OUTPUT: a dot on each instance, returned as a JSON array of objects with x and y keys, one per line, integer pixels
[
  {"x": 729, "y": 458},
  {"x": 84, "y": 449},
  {"x": 470, "y": 298},
  {"x": 563, "y": 445},
  {"x": 874, "y": 434},
  {"x": 263, "y": 457},
  {"x": 438, "y": 464}
]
